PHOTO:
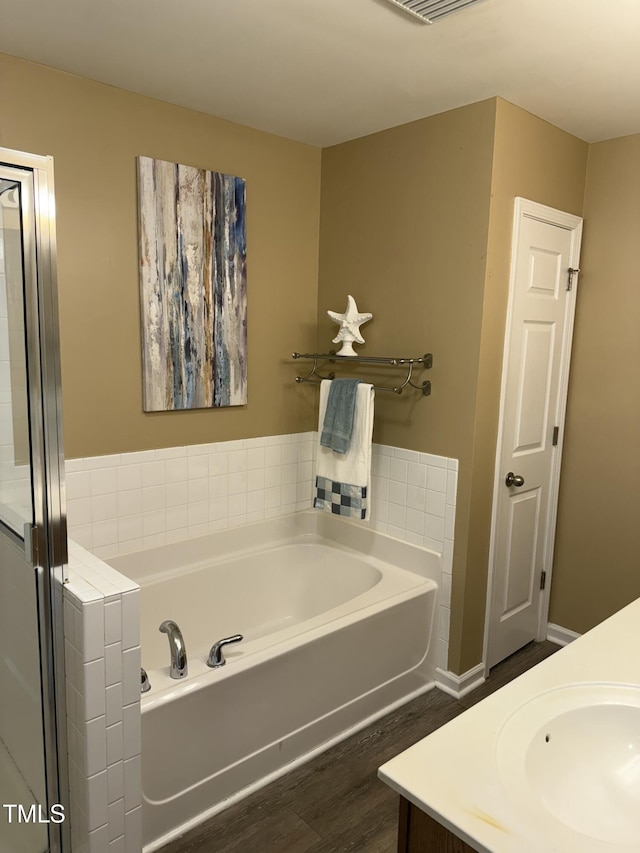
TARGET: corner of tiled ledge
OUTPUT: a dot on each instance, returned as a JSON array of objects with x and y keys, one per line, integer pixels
[{"x": 102, "y": 657}]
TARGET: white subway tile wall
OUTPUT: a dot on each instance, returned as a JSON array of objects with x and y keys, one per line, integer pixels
[
  {"x": 102, "y": 658},
  {"x": 130, "y": 501},
  {"x": 413, "y": 497},
  {"x": 15, "y": 484}
]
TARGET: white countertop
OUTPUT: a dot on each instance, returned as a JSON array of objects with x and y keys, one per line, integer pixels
[{"x": 453, "y": 774}]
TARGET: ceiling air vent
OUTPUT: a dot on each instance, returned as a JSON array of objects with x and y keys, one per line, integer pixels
[{"x": 430, "y": 11}]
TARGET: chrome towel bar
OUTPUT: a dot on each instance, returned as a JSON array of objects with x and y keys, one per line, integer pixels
[{"x": 426, "y": 361}]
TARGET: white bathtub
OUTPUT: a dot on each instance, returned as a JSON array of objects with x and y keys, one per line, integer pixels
[{"x": 337, "y": 622}]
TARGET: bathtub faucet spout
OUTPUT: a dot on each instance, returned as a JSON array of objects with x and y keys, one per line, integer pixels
[
  {"x": 216, "y": 657},
  {"x": 177, "y": 647}
]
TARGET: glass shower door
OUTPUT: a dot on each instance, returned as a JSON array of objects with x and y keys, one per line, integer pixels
[{"x": 29, "y": 766}]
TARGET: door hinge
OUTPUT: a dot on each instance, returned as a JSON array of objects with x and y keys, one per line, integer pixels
[
  {"x": 556, "y": 433},
  {"x": 543, "y": 579},
  {"x": 31, "y": 543},
  {"x": 571, "y": 272}
]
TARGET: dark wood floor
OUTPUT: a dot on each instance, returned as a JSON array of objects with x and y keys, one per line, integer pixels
[{"x": 336, "y": 803}]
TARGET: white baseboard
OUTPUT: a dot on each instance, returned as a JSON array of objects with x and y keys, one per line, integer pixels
[
  {"x": 459, "y": 685},
  {"x": 561, "y": 636}
]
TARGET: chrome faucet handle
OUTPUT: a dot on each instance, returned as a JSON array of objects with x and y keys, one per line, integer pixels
[
  {"x": 216, "y": 657},
  {"x": 145, "y": 685},
  {"x": 177, "y": 648}
]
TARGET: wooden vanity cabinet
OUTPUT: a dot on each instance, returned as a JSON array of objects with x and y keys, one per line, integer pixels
[{"x": 419, "y": 833}]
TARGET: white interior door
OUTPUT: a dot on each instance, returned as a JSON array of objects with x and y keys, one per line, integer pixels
[{"x": 545, "y": 253}]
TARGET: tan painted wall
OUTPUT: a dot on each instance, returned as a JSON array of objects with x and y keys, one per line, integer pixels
[
  {"x": 404, "y": 228},
  {"x": 95, "y": 132},
  {"x": 598, "y": 538},
  {"x": 537, "y": 161},
  {"x": 419, "y": 218},
  {"x": 416, "y": 224}
]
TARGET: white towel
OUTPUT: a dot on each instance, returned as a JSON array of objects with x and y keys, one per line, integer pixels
[{"x": 343, "y": 479}]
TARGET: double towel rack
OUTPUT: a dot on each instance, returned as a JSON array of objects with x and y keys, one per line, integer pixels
[{"x": 313, "y": 376}]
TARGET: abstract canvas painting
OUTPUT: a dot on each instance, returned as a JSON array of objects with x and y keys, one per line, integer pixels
[{"x": 192, "y": 235}]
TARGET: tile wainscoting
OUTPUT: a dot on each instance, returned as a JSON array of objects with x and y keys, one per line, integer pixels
[
  {"x": 125, "y": 502},
  {"x": 102, "y": 668},
  {"x": 129, "y": 501},
  {"x": 15, "y": 485},
  {"x": 414, "y": 499}
]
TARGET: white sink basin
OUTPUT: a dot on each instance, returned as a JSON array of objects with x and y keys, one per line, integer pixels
[{"x": 574, "y": 753}]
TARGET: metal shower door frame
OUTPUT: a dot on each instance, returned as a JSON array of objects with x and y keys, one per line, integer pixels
[{"x": 45, "y": 543}]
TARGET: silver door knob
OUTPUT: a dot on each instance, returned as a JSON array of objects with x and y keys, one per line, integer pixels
[{"x": 514, "y": 479}]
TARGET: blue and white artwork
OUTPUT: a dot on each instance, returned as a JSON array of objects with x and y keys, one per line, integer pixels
[{"x": 193, "y": 286}]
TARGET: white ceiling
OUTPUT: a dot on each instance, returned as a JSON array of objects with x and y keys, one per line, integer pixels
[{"x": 324, "y": 71}]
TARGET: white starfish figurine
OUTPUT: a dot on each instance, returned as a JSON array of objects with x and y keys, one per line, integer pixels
[{"x": 349, "y": 323}]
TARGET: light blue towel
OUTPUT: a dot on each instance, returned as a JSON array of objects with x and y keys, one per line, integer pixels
[{"x": 338, "y": 419}]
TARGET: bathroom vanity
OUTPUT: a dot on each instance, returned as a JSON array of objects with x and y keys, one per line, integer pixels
[
  {"x": 550, "y": 762},
  {"x": 417, "y": 833}
]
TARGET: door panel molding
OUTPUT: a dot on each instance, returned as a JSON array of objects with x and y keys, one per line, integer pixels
[{"x": 565, "y": 227}]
